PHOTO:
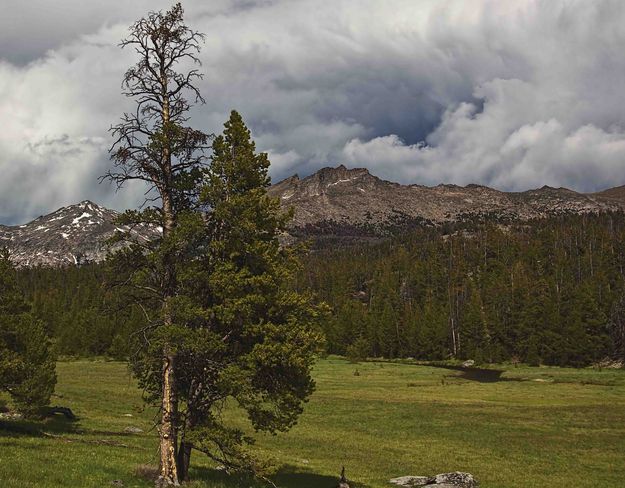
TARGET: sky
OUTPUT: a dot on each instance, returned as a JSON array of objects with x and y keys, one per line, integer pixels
[{"x": 512, "y": 94}]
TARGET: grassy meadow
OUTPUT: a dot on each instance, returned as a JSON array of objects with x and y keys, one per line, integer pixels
[{"x": 536, "y": 427}]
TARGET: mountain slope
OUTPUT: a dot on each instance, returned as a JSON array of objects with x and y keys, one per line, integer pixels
[
  {"x": 70, "y": 235},
  {"x": 348, "y": 203},
  {"x": 616, "y": 194},
  {"x": 343, "y": 201}
]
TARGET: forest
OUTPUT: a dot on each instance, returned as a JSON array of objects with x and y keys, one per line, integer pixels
[{"x": 549, "y": 291}]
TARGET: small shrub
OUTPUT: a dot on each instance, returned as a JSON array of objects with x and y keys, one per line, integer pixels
[{"x": 358, "y": 350}]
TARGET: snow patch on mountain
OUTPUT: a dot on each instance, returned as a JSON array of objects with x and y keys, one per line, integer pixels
[{"x": 71, "y": 235}]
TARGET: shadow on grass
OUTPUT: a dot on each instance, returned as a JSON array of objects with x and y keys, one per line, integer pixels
[
  {"x": 471, "y": 373},
  {"x": 481, "y": 375},
  {"x": 287, "y": 477},
  {"x": 37, "y": 428}
]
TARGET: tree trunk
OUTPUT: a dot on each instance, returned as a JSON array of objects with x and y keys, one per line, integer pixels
[
  {"x": 169, "y": 407},
  {"x": 184, "y": 460},
  {"x": 168, "y": 466},
  {"x": 169, "y": 421}
]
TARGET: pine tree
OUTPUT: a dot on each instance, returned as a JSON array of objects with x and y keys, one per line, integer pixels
[
  {"x": 27, "y": 365},
  {"x": 239, "y": 331},
  {"x": 155, "y": 146}
]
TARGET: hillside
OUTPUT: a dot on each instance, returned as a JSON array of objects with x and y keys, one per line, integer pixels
[
  {"x": 70, "y": 235},
  {"x": 353, "y": 202},
  {"x": 616, "y": 194}
]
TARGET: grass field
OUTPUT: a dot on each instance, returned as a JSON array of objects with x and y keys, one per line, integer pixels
[{"x": 537, "y": 427}]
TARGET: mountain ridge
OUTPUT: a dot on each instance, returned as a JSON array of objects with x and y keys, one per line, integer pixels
[
  {"x": 345, "y": 201},
  {"x": 350, "y": 204},
  {"x": 71, "y": 235}
]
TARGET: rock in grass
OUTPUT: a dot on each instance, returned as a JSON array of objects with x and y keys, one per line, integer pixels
[
  {"x": 445, "y": 480},
  {"x": 458, "y": 479},
  {"x": 469, "y": 363},
  {"x": 133, "y": 430},
  {"x": 411, "y": 480}
]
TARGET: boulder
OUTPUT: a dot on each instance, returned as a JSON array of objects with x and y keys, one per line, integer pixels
[
  {"x": 132, "y": 430},
  {"x": 444, "y": 480},
  {"x": 411, "y": 480},
  {"x": 457, "y": 479},
  {"x": 469, "y": 363}
]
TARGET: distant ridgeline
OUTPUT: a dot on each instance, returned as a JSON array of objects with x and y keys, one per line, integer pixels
[{"x": 547, "y": 291}]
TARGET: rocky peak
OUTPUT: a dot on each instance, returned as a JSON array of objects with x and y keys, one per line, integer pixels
[
  {"x": 325, "y": 181},
  {"x": 70, "y": 235},
  {"x": 352, "y": 201}
]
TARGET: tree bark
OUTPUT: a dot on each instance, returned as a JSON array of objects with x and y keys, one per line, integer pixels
[
  {"x": 169, "y": 410},
  {"x": 184, "y": 460},
  {"x": 168, "y": 466}
]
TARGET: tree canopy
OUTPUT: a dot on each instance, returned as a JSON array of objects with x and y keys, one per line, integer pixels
[
  {"x": 240, "y": 330},
  {"x": 27, "y": 365}
]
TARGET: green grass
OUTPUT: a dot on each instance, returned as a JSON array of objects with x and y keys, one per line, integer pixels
[{"x": 538, "y": 427}]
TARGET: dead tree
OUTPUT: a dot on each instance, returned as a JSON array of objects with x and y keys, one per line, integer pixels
[{"x": 154, "y": 146}]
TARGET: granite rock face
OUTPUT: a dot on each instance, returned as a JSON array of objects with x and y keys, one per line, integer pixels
[{"x": 352, "y": 202}]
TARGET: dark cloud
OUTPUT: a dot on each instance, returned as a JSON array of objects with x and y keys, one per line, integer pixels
[{"x": 509, "y": 94}]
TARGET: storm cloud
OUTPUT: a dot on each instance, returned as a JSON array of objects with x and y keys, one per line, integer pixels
[{"x": 513, "y": 94}]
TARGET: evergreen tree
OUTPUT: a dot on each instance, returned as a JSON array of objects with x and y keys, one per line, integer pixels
[
  {"x": 539, "y": 292},
  {"x": 240, "y": 331},
  {"x": 27, "y": 365},
  {"x": 617, "y": 328}
]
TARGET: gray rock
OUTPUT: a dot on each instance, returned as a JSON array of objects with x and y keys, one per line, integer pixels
[
  {"x": 468, "y": 363},
  {"x": 11, "y": 416},
  {"x": 456, "y": 479},
  {"x": 133, "y": 430},
  {"x": 411, "y": 480}
]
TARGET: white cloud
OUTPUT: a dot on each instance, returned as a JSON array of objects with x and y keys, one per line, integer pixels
[
  {"x": 524, "y": 137},
  {"x": 511, "y": 94}
]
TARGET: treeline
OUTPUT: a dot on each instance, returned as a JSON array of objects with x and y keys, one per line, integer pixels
[
  {"x": 78, "y": 310},
  {"x": 548, "y": 291}
]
